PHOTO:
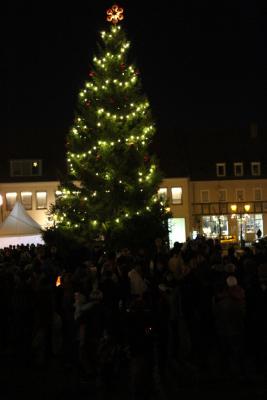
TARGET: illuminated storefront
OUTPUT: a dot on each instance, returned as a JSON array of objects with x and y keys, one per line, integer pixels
[
  {"x": 245, "y": 225},
  {"x": 176, "y": 230},
  {"x": 215, "y": 225}
]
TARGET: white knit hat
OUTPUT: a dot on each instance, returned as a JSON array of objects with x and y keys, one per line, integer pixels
[{"x": 231, "y": 281}]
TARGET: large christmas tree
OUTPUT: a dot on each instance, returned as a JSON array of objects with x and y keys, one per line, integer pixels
[{"x": 111, "y": 188}]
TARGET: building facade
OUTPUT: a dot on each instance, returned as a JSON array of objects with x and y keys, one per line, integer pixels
[
  {"x": 216, "y": 185},
  {"x": 36, "y": 197},
  {"x": 229, "y": 207},
  {"x": 212, "y": 208}
]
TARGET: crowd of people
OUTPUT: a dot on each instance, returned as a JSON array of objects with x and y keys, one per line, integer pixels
[{"x": 105, "y": 313}]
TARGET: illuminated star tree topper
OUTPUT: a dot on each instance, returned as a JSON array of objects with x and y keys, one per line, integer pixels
[{"x": 115, "y": 14}]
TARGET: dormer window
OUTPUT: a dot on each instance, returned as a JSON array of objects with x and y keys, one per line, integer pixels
[
  {"x": 220, "y": 169},
  {"x": 255, "y": 168},
  {"x": 238, "y": 169},
  {"x": 21, "y": 167}
]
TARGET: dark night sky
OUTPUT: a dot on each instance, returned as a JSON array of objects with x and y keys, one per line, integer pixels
[{"x": 203, "y": 68}]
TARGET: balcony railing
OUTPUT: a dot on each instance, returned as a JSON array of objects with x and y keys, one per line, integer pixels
[{"x": 224, "y": 208}]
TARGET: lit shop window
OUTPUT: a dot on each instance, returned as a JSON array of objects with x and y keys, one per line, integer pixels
[
  {"x": 220, "y": 169},
  {"x": 238, "y": 169},
  {"x": 26, "y": 200},
  {"x": 162, "y": 194},
  {"x": 176, "y": 230},
  {"x": 10, "y": 200},
  {"x": 204, "y": 196},
  {"x": 176, "y": 195},
  {"x": 255, "y": 168},
  {"x": 41, "y": 200}
]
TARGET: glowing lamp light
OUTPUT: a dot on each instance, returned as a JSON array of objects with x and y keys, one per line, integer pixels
[
  {"x": 233, "y": 208},
  {"x": 247, "y": 207},
  {"x": 115, "y": 14}
]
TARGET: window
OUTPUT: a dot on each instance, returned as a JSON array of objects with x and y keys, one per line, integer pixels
[
  {"x": 257, "y": 194},
  {"x": 204, "y": 196},
  {"x": 240, "y": 195},
  {"x": 26, "y": 200},
  {"x": 255, "y": 168},
  {"x": 238, "y": 169},
  {"x": 176, "y": 195},
  {"x": 10, "y": 200},
  {"x": 258, "y": 207},
  {"x": 223, "y": 208},
  {"x": 162, "y": 194},
  {"x": 25, "y": 167},
  {"x": 220, "y": 169},
  {"x": 41, "y": 200},
  {"x": 222, "y": 195},
  {"x": 206, "y": 209}
]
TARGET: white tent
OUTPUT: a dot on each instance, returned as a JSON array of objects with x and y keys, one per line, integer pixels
[{"x": 19, "y": 228}]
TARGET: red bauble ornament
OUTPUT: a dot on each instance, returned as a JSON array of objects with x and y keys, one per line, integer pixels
[
  {"x": 146, "y": 158},
  {"x": 98, "y": 157},
  {"x": 137, "y": 72},
  {"x": 91, "y": 73},
  {"x": 88, "y": 103},
  {"x": 122, "y": 67}
]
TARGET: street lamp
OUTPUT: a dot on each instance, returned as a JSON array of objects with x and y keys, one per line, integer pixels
[{"x": 246, "y": 208}]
